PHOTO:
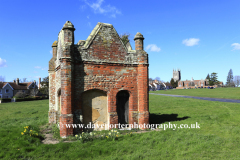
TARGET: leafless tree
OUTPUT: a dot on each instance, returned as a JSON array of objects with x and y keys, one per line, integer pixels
[
  {"x": 24, "y": 80},
  {"x": 33, "y": 92},
  {"x": 2, "y": 79},
  {"x": 20, "y": 95},
  {"x": 191, "y": 84},
  {"x": 236, "y": 80},
  {"x": 157, "y": 78}
]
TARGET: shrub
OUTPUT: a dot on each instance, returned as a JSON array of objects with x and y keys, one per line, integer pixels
[
  {"x": 20, "y": 95},
  {"x": 6, "y": 99}
]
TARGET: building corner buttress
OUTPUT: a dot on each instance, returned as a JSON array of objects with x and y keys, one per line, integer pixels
[{"x": 66, "y": 66}]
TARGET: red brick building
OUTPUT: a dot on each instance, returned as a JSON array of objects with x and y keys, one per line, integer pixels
[
  {"x": 99, "y": 80},
  {"x": 196, "y": 84}
]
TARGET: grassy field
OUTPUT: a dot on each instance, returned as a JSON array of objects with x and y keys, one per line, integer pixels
[
  {"x": 227, "y": 93},
  {"x": 217, "y": 138}
]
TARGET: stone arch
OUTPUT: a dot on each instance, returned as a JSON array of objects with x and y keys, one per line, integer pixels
[
  {"x": 96, "y": 88},
  {"x": 122, "y": 103},
  {"x": 95, "y": 109}
]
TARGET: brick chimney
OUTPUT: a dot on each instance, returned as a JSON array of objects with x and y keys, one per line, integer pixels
[
  {"x": 54, "y": 49},
  {"x": 138, "y": 41},
  {"x": 17, "y": 81},
  {"x": 69, "y": 29},
  {"x": 39, "y": 83}
]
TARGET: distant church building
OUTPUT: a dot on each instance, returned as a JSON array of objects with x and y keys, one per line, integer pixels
[
  {"x": 183, "y": 84},
  {"x": 176, "y": 75}
]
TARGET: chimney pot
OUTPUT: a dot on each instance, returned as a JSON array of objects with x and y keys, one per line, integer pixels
[
  {"x": 17, "y": 81},
  {"x": 138, "y": 41},
  {"x": 39, "y": 84}
]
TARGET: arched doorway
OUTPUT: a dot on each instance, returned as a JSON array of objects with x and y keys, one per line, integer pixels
[
  {"x": 123, "y": 107},
  {"x": 94, "y": 109}
]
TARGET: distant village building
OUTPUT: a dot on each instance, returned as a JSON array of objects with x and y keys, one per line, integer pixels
[
  {"x": 9, "y": 89},
  {"x": 168, "y": 85},
  {"x": 158, "y": 85},
  {"x": 203, "y": 83}
]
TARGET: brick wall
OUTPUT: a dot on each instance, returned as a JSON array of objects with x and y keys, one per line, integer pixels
[{"x": 101, "y": 62}]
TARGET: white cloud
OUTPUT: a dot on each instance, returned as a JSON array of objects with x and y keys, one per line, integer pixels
[
  {"x": 87, "y": 17},
  {"x": 83, "y": 7},
  {"x": 113, "y": 15},
  {"x": 191, "y": 41},
  {"x": 50, "y": 51},
  {"x": 42, "y": 68},
  {"x": 106, "y": 10},
  {"x": 45, "y": 68},
  {"x": 153, "y": 48},
  {"x": 236, "y": 46},
  {"x": 37, "y": 77},
  {"x": 3, "y": 63},
  {"x": 89, "y": 24}
]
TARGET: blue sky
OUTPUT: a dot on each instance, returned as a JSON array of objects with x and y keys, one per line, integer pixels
[{"x": 196, "y": 36}]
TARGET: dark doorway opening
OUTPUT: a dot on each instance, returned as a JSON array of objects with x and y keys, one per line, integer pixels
[{"x": 123, "y": 107}]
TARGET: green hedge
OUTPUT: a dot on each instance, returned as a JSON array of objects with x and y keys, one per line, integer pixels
[
  {"x": 5, "y": 99},
  {"x": 29, "y": 99},
  {"x": 24, "y": 99}
]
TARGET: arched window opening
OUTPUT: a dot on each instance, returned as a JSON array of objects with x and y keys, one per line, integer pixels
[{"x": 123, "y": 107}]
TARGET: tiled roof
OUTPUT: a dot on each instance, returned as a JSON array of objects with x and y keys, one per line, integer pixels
[
  {"x": 2, "y": 84},
  {"x": 20, "y": 86},
  {"x": 95, "y": 31},
  {"x": 193, "y": 80},
  {"x": 168, "y": 84}
]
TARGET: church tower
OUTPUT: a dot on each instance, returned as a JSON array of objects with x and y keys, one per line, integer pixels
[{"x": 176, "y": 75}]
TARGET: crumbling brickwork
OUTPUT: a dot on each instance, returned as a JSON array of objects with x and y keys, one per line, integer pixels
[{"x": 85, "y": 79}]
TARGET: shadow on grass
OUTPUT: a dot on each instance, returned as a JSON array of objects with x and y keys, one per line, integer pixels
[{"x": 162, "y": 118}]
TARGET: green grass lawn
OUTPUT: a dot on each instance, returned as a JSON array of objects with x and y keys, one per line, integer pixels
[
  {"x": 217, "y": 138},
  {"x": 227, "y": 93}
]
